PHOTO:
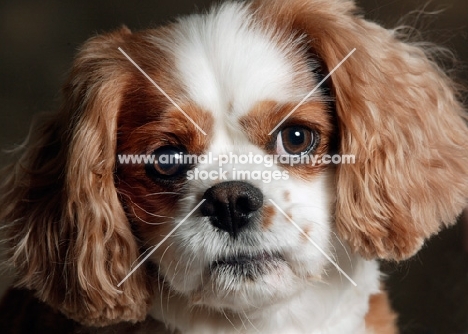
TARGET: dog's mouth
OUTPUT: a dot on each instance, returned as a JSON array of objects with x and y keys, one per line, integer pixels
[{"x": 247, "y": 265}]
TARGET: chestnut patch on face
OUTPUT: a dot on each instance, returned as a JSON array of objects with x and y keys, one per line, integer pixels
[
  {"x": 304, "y": 235},
  {"x": 150, "y": 125},
  {"x": 308, "y": 129},
  {"x": 267, "y": 216}
]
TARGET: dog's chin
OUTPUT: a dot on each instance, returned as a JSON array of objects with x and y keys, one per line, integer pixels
[{"x": 246, "y": 282}]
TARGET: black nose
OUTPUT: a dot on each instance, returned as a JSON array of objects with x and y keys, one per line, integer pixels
[{"x": 230, "y": 205}]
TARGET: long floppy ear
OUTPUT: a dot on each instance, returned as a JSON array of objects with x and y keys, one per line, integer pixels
[
  {"x": 399, "y": 116},
  {"x": 68, "y": 235}
]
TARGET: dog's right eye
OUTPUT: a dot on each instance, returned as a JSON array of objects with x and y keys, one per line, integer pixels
[{"x": 168, "y": 161}]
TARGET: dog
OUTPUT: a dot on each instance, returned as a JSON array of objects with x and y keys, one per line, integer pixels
[{"x": 288, "y": 246}]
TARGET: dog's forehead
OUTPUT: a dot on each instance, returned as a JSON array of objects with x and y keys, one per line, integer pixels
[{"x": 228, "y": 60}]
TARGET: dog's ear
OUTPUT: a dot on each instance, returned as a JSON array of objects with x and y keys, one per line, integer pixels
[
  {"x": 399, "y": 116},
  {"x": 68, "y": 235}
]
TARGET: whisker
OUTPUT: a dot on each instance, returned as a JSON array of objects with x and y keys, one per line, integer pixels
[
  {"x": 243, "y": 323},
  {"x": 150, "y": 213},
  {"x": 164, "y": 279},
  {"x": 189, "y": 264},
  {"x": 250, "y": 322},
  {"x": 140, "y": 256},
  {"x": 163, "y": 193},
  {"x": 144, "y": 221},
  {"x": 344, "y": 247},
  {"x": 227, "y": 318}
]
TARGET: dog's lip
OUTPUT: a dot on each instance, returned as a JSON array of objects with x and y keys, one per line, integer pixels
[{"x": 247, "y": 259}]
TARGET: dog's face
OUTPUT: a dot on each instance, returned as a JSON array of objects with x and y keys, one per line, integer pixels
[
  {"x": 233, "y": 75},
  {"x": 237, "y": 250}
]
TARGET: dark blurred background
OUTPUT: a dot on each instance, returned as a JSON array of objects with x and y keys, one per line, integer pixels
[{"x": 39, "y": 38}]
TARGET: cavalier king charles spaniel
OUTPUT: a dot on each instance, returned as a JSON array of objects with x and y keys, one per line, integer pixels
[{"x": 107, "y": 242}]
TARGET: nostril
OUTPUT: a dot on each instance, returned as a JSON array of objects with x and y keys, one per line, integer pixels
[
  {"x": 248, "y": 203},
  {"x": 207, "y": 208},
  {"x": 243, "y": 205}
]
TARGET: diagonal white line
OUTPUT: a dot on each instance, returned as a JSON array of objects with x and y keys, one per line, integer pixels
[
  {"x": 160, "y": 243},
  {"x": 312, "y": 91},
  {"x": 161, "y": 90},
  {"x": 313, "y": 243}
]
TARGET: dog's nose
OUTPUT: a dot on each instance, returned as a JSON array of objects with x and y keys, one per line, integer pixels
[{"x": 230, "y": 205}]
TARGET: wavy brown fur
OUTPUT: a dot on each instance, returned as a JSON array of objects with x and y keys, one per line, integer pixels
[
  {"x": 69, "y": 239},
  {"x": 399, "y": 114}
]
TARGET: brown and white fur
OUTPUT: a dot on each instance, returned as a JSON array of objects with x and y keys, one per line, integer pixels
[{"x": 77, "y": 220}]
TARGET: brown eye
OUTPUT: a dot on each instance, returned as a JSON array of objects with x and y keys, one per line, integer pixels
[
  {"x": 295, "y": 140},
  {"x": 168, "y": 161}
]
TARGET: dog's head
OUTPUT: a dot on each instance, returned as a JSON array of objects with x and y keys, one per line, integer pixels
[{"x": 236, "y": 230}]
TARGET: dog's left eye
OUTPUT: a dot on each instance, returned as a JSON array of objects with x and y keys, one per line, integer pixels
[
  {"x": 295, "y": 140},
  {"x": 168, "y": 162}
]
